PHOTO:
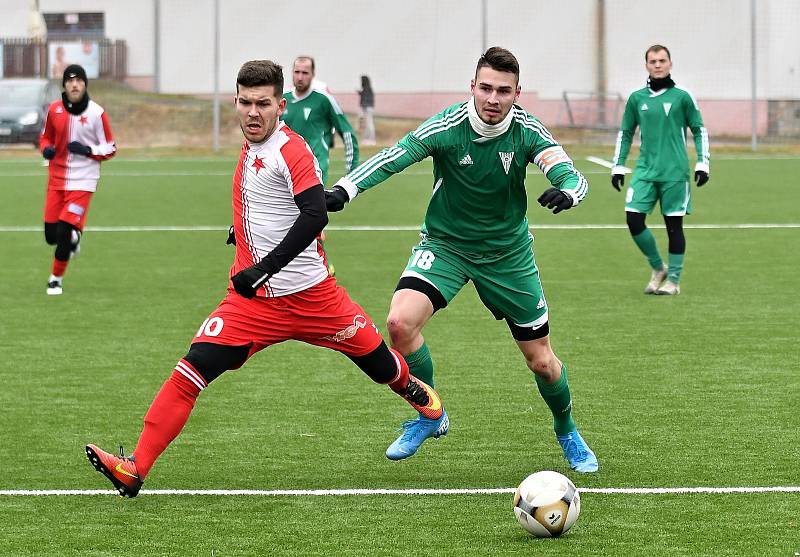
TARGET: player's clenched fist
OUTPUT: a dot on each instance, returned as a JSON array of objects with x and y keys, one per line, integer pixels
[
  {"x": 555, "y": 199},
  {"x": 336, "y": 198},
  {"x": 247, "y": 281}
]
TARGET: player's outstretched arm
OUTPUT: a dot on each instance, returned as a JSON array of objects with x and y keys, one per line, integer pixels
[{"x": 379, "y": 168}]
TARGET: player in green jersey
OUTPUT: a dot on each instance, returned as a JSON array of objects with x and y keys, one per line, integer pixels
[
  {"x": 476, "y": 230},
  {"x": 313, "y": 114},
  {"x": 662, "y": 111}
]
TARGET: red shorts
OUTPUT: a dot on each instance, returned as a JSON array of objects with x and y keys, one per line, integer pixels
[
  {"x": 323, "y": 315},
  {"x": 68, "y": 205}
]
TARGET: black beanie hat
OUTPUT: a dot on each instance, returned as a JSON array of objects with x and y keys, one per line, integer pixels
[{"x": 74, "y": 70}]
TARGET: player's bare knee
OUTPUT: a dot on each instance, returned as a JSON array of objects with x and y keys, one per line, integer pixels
[
  {"x": 401, "y": 330},
  {"x": 545, "y": 364}
]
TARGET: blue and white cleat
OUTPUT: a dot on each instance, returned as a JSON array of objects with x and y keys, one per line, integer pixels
[
  {"x": 414, "y": 434},
  {"x": 577, "y": 452}
]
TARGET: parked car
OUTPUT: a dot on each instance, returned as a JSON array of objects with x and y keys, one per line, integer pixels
[{"x": 23, "y": 107}]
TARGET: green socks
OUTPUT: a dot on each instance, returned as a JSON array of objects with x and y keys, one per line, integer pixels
[
  {"x": 647, "y": 244},
  {"x": 675, "y": 267},
  {"x": 558, "y": 399},
  {"x": 420, "y": 364}
]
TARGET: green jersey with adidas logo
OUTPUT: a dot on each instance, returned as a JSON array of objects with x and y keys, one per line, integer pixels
[
  {"x": 662, "y": 118},
  {"x": 478, "y": 202},
  {"x": 313, "y": 116}
]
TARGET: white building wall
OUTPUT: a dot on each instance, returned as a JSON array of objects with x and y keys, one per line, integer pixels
[{"x": 425, "y": 46}]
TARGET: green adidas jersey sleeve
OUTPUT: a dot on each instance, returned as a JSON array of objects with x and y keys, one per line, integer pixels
[
  {"x": 414, "y": 147},
  {"x": 695, "y": 122},
  {"x": 626, "y": 131},
  {"x": 552, "y": 160},
  {"x": 345, "y": 130}
]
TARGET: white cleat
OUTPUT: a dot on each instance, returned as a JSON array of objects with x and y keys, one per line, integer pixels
[
  {"x": 54, "y": 288},
  {"x": 656, "y": 278},
  {"x": 669, "y": 289}
]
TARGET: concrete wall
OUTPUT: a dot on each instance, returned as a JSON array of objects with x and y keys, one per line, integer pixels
[{"x": 420, "y": 54}]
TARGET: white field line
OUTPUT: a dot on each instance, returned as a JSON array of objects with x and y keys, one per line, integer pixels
[
  {"x": 341, "y": 492},
  {"x": 412, "y": 228}
]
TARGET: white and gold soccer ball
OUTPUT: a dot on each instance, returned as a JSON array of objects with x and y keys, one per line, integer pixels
[{"x": 547, "y": 504}]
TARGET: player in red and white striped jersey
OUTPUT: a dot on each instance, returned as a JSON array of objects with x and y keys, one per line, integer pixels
[
  {"x": 279, "y": 290},
  {"x": 75, "y": 138}
]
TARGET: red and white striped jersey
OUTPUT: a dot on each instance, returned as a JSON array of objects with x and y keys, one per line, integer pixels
[
  {"x": 76, "y": 172},
  {"x": 267, "y": 178}
]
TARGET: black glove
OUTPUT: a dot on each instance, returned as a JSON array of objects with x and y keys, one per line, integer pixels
[
  {"x": 618, "y": 180},
  {"x": 79, "y": 148},
  {"x": 231, "y": 237},
  {"x": 700, "y": 177},
  {"x": 247, "y": 281},
  {"x": 556, "y": 200},
  {"x": 336, "y": 198},
  {"x": 49, "y": 152}
]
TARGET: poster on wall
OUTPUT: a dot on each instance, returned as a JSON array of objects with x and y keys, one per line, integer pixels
[{"x": 63, "y": 53}]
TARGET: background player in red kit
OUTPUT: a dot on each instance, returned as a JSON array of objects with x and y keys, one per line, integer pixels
[
  {"x": 75, "y": 138},
  {"x": 279, "y": 289}
]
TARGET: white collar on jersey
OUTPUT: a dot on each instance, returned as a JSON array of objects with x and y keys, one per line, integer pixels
[
  {"x": 301, "y": 97},
  {"x": 484, "y": 129}
]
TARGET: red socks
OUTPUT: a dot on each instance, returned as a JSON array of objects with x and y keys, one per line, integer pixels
[
  {"x": 167, "y": 415},
  {"x": 400, "y": 382},
  {"x": 59, "y": 267}
]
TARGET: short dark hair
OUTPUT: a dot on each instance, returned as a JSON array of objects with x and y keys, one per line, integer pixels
[
  {"x": 499, "y": 59},
  {"x": 260, "y": 72},
  {"x": 309, "y": 58},
  {"x": 657, "y": 48}
]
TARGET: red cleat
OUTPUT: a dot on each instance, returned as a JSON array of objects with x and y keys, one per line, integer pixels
[{"x": 121, "y": 470}]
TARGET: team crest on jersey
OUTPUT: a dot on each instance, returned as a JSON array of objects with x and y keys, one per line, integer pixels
[
  {"x": 306, "y": 112},
  {"x": 667, "y": 106},
  {"x": 506, "y": 158},
  {"x": 644, "y": 106}
]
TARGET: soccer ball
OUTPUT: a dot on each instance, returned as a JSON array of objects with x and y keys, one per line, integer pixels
[{"x": 547, "y": 504}]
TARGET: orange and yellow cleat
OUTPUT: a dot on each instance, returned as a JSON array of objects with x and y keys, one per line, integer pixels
[
  {"x": 423, "y": 398},
  {"x": 121, "y": 470}
]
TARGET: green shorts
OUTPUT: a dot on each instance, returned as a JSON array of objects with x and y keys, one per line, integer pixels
[
  {"x": 675, "y": 198},
  {"x": 507, "y": 282}
]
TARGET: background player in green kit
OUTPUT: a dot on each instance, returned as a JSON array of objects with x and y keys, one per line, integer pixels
[
  {"x": 662, "y": 111},
  {"x": 476, "y": 230},
  {"x": 313, "y": 114}
]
